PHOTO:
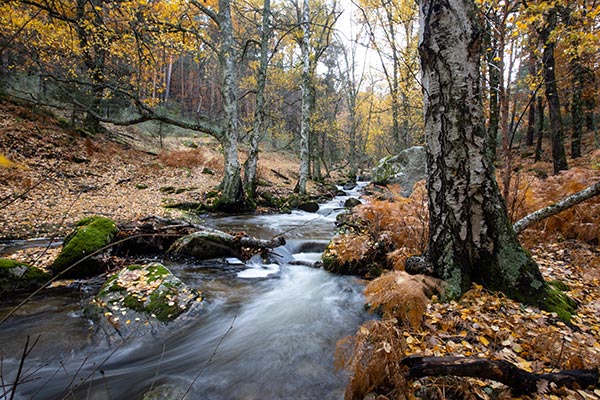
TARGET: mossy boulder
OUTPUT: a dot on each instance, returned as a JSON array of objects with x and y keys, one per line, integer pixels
[
  {"x": 405, "y": 169},
  {"x": 16, "y": 276},
  {"x": 150, "y": 289},
  {"x": 309, "y": 206},
  {"x": 90, "y": 235},
  {"x": 140, "y": 298}
]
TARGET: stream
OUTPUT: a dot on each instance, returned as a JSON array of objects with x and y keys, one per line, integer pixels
[{"x": 267, "y": 331}]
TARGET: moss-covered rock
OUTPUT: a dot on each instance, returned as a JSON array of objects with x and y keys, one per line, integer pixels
[
  {"x": 147, "y": 289},
  {"x": 89, "y": 236},
  {"x": 405, "y": 168},
  {"x": 16, "y": 276}
]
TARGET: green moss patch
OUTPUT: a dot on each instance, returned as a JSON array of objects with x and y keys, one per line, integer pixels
[
  {"x": 16, "y": 276},
  {"x": 148, "y": 289},
  {"x": 559, "y": 303},
  {"x": 90, "y": 235}
]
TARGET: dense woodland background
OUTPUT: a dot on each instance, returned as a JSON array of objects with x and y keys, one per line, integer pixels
[{"x": 337, "y": 82}]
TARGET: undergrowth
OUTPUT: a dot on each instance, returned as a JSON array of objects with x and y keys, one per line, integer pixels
[
  {"x": 405, "y": 221},
  {"x": 482, "y": 324}
]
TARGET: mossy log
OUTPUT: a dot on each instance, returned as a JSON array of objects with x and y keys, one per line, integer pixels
[
  {"x": 211, "y": 243},
  {"x": 520, "y": 381},
  {"x": 179, "y": 238}
]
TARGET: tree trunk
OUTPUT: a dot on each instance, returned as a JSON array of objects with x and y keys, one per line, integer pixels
[
  {"x": 471, "y": 238},
  {"x": 494, "y": 79},
  {"x": 539, "y": 128},
  {"x": 531, "y": 115},
  {"x": 258, "y": 129},
  {"x": 306, "y": 100},
  {"x": 232, "y": 194},
  {"x": 577, "y": 109},
  {"x": 94, "y": 57},
  {"x": 559, "y": 159}
]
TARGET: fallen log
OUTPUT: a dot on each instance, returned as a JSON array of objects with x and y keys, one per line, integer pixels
[
  {"x": 520, "y": 381},
  {"x": 555, "y": 208},
  {"x": 179, "y": 238}
]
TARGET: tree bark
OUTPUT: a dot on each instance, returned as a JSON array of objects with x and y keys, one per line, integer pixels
[
  {"x": 577, "y": 108},
  {"x": 258, "y": 129},
  {"x": 521, "y": 381},
  {"x": 555, "y": 208},
  {"x": 306, "y": 87},
  {"x": 559, "y": 159},
  {"x": 232, "y": 194},
  {"x": 539, "y": 127},
  {"x": 471, "y": 238}
]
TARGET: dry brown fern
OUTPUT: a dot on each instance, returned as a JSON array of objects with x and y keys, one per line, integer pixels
[
  {"x": 182, "y": 158},
  {"x": 402, "y": 296},
  {"x": 404, "y": 220},
  {"x": 373, "y": 356},
  {"x": 580, "y": 222}
]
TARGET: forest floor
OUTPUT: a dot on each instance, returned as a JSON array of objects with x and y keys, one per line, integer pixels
[{"x": 58, "y": 176}]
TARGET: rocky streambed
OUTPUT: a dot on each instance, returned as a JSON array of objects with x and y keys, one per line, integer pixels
[{"x": 221, "y": 328}]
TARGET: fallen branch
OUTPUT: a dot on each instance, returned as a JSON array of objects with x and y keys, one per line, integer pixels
[
  {"x": 211, "y": 243},
  {"x": 555, "y": 208},
  {"x": 279, "y": 174},
  {"x": 520, "y": 381}
]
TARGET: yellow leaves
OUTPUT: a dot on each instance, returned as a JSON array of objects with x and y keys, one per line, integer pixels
[
  {"x": 484, "y": 340},
  {"x": 6, "y": 163}
]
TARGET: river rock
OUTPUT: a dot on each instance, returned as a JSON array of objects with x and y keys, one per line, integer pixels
[
  {"x": 405, "y": 169},
  {"x": 309, "y": 206},
  {"x": 90, "y": 235},
  {"x": 139, "y": 298},
  {"x": 352, "y": 202},
  {"x": 16, "y": 276}
]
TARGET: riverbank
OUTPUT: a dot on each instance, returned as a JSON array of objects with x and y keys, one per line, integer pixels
[{"x": 59, "y": 176}]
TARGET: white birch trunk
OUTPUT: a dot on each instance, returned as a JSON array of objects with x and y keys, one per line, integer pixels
[
  {"x": 471, "y": 238},
  {"x": 231, "y": 186},
  {"x": 306, "y": 100},
  {"x": 258, "y": 129}
]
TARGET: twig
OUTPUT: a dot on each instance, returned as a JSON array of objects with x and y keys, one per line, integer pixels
[
  {"x": 26, "y": 352},
  {"x": 210, "y": 358},
  {"x": 162, "y": 354}
]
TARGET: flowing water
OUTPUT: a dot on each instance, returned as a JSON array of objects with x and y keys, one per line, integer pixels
[{"x": 268, "y": 331}]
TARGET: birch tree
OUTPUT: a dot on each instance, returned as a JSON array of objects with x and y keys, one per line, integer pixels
[{"x": 471, "y": 238}]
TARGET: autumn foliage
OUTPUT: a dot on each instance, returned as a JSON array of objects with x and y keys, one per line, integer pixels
[{"x": 482, "y": 323}]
